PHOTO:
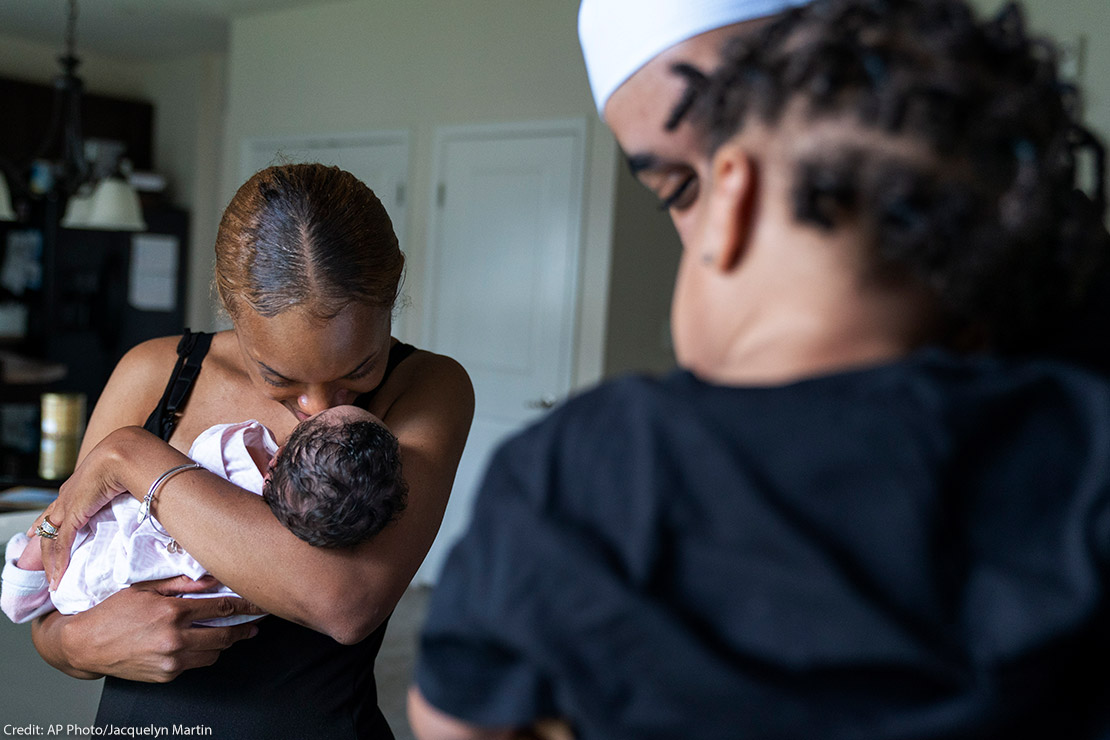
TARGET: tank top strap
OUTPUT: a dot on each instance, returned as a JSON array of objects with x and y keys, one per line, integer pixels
[
  {"x": 397, "y": 354},
  {"x": 191, "y": 351}
]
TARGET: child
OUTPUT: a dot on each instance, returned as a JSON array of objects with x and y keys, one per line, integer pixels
[
  {"x": 847, "y": 516},
  {"x": 335, "y": 483}
]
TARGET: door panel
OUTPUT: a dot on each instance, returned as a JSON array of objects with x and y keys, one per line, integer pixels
[{"x": 502, "y": 279}]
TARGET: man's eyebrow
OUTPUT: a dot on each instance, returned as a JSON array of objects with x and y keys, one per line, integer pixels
[{"x": 697, "y": 82}]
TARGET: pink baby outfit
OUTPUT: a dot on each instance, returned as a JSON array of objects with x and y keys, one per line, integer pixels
[{"x": 113, "y": 550}]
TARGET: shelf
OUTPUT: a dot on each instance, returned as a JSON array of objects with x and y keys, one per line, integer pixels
[
  {"x": 16, "y": 369},
  {"x": 28, "y": 497}
]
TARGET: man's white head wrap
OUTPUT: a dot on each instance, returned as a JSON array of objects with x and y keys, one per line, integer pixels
[{"x": 620, "y": 36}]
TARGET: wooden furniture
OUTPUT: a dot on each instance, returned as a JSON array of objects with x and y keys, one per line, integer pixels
[{"x": 85, "y": 310}]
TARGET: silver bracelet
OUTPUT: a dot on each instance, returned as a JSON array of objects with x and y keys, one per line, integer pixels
[{"x": 144, "y": 510}]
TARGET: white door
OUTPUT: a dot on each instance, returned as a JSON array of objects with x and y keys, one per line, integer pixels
[
  {"x": 504, "y": 240},
  {"x": 378, "y": 158}
]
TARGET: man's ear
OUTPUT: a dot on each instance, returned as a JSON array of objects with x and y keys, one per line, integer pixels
[{"x": 730, "y": 208}]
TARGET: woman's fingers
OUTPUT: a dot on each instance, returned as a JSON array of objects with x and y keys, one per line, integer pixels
[
  {"x": 143, "y": 634},
  {"x": 221, "y": 607},
  {"x": 199, "y": 645},
  {"x": 196, "y": 610},
  {"x": 84, "y": 493},
  {"x": 178, "y": 585},
  {"x": 56, "y": 549}
]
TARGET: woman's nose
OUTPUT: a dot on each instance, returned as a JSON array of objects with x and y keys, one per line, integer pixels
[
  {"x": 314, "y": 400},
  {"x": 318, "y": 398}
]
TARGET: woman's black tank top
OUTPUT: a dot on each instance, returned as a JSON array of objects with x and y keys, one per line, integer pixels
[{"x": 285, "y": 682}]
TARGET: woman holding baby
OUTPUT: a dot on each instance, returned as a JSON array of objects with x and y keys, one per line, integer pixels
[{"x": 308, "y": 269}]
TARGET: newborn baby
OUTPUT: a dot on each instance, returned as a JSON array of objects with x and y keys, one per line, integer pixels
[{"x": 335, "y": 483}]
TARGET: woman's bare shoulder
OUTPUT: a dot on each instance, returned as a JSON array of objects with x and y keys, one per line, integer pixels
[
  {"x": 427, "y": 373},
  {"x": 146, "y": 358},
  {"x": 133, "y": 390},
  {"x": 427, "y": 365},
  {"x": 426, "y": 387}
]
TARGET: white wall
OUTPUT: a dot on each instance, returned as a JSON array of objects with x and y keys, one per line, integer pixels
[{"x": 34, "y": 62}]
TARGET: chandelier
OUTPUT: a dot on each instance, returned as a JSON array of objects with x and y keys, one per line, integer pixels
[{"x": 94, "y": 199}]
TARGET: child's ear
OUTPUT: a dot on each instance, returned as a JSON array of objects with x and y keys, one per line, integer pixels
[{"x": 729, "y": 216}]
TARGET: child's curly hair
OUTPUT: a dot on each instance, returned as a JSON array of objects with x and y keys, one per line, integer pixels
[{"x": 991, "y": 219}]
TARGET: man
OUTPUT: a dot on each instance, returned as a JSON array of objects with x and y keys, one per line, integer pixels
[{"x": 631, "y": 49}]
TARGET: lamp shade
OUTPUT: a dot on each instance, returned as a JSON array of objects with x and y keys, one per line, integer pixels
[
  {"x": 78, "y": 210},
  {"x": 115, "y": 207},
  {"x": 6, "y": 211}
]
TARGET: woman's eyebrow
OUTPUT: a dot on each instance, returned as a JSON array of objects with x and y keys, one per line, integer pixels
[
  {"x": 275, "y": 373},
  {"x": 369, "y": 359},
  {"x": 270, "y": 370}
]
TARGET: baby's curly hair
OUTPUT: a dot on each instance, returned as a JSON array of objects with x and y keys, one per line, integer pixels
[
  {"x": 991, "y": 219},
  {"x": 337, "y": 485}
]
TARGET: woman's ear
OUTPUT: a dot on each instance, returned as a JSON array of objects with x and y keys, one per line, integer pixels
[{"x": 730, "y": 207}]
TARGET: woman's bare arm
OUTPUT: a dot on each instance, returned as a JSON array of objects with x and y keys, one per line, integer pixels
[
  {"x": 138, "y": 633},
  {"x": 345, "y": 593}
]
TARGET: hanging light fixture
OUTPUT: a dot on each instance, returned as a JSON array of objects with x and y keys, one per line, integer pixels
[{"x": 94, "y": 202}]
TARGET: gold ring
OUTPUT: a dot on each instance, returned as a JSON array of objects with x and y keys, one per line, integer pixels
[{"x": 49, "y": 526}]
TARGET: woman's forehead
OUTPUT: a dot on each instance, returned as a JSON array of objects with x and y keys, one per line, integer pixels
[{"x": 299, "y": 346}]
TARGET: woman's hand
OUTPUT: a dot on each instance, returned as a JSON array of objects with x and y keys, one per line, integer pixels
[
  {"x": 95, "y": 482},
  {"x": 143, "y": 633}
]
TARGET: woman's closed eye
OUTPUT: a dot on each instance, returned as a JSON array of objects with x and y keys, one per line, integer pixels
[{"x": 275, "y": 382}]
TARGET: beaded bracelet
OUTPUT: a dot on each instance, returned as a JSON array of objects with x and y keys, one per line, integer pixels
[{"x": 144, "y": 510}]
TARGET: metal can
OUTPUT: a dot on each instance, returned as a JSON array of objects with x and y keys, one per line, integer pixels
[{"x": 62, "y": 427}]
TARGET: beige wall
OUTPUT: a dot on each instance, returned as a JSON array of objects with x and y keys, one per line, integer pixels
[
  {"x": 418, "y": 65},
  {"x": 34, "y": 62},
  {"x": 645, "y": 250},
  {"x": 645, "y": 257},
  {"x": 187, "y": 95},
  {"x": 1069, "y": 22}
]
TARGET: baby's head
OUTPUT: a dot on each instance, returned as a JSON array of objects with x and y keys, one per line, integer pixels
[{"x": 337, "y": 481}]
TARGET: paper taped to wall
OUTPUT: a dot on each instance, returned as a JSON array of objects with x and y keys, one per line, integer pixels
[{"x": 153, "y": 283}]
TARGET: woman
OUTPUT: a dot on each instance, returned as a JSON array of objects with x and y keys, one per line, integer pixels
[
  {"x": 308, "y": 268},
  {"x": 849, "y": 516}
]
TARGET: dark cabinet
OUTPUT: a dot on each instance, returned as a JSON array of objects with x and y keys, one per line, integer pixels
[
  {"x": 98, "y": 292},
  {"x": 95, "y": 301}
]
